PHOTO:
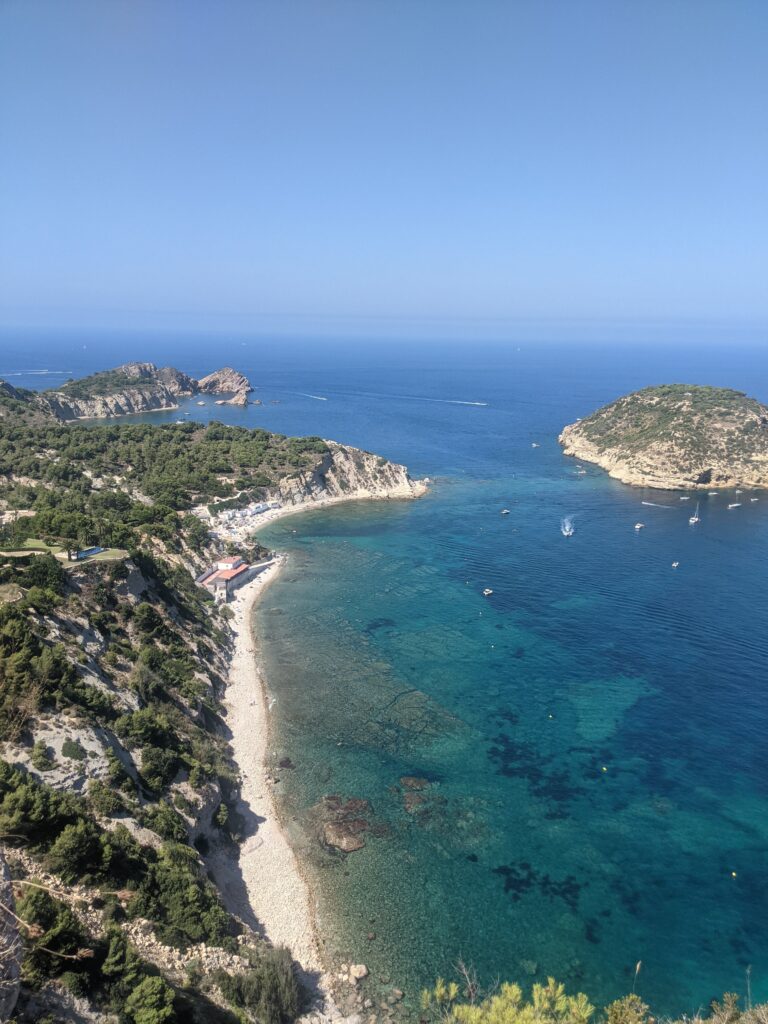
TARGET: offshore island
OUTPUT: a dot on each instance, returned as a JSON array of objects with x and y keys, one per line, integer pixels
[{"x": 676, "y": 436}]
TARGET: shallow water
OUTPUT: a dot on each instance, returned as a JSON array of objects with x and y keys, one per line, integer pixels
[{"x": 593, "y": 732}]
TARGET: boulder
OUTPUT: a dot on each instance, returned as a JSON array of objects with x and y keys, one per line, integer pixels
[
  {"x": 339, "y": 835},
  {"x": 413, "y": 782}
]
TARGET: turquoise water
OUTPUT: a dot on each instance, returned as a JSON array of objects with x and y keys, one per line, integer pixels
[{"x": 592, "y": 733}]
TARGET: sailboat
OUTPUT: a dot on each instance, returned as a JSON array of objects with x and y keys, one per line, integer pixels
[{"x": 695, "y": 517}]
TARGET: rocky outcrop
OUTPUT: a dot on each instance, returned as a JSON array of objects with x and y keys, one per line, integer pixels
[
  {"x": 676, "y": 437},
  {"x": 121, "y": 403},
  {"x": 135, "y": 388},
  {"x": 223, "y": 381},
  {"x": 177, "y": 382},
  {"x": 241, "y": 399},
  {"x": 348, "y": 473}
]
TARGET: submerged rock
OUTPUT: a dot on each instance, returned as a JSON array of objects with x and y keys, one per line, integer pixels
[
  {"x": 345, "y": 835},
  {"x": 412, "y": 801},
  {"x": 413, "y": 782}
]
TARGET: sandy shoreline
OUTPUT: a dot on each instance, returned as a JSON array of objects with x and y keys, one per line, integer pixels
[
  {"x": 276, "y": 891},
  {"x": 240, "y": 531},
  {"x": 271, "y": 886}
]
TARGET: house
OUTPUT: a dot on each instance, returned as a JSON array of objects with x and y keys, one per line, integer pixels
[{"x": 223, "y": 578}]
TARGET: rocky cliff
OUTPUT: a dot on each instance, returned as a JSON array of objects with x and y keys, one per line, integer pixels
[
  {"x": 136, "y": 388},
  {"x": 344, "y": 472},
  {"x": 676, "y": 436},
  {"x": 224, "y": 381},
  {"x": 120, "y": 403}
]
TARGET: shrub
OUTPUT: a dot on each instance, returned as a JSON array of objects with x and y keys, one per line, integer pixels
[
  {"x": 60, "y": 932},
  {"x": 151, "y": 1002},
  {"x": 102, "y": 799},
  {"x": 174, "y": 894},
  {"x": 549, "y": 1004},
  {"x": 76, "y": 851},
  {"x": 73, "y": 749},
  {"x": 47, "y": 572},
  {"x": 158, "y": 767},
  {"x": 41, "y": 758},
  {"x": 269, "y": 990},
  {"x": 629, "y": 1010},
  {"x": 161, "y": 818}
]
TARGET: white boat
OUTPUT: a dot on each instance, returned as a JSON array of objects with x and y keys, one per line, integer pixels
[
  {"x": 487, "y": 592},
  {"x": 534, "y": 445},
  {"x": 505, "y": 511},
  {"x": 639, "y": 526},
  {"x": 713, "y": 494},
  {"x": 735, "y": 504},
  {"x": 686, "y": 497},
  {"x": 675, "y": 565},
  {"x": 737, "y": 491},
  {"x": 695, "y": 517},
  {"x": 754, "y": 499}
]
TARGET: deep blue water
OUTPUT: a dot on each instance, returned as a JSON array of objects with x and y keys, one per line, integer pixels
[{"x": 593, "y": 732}]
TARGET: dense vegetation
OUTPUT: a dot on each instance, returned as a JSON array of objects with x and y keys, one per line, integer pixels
[
  {"x": 693, "y": 418},
  {"x": 105, "y": 382},
  {"x": 175, "y": 465}
]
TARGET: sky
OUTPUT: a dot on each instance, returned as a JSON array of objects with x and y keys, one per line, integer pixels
[{"x": 367, "y": 165}]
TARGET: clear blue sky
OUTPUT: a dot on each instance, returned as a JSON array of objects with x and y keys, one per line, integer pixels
[{"x": 234, "y": 163}]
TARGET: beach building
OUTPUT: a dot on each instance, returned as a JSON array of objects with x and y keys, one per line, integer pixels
[{"x": 223, "y": 578}]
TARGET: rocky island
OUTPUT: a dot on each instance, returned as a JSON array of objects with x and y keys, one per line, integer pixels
[
  {"x": 133, "y": 388},
  {"x": 676, "y": 436}
]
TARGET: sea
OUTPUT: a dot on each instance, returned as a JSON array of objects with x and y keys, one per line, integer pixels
[{"x": 584, "y": 747}]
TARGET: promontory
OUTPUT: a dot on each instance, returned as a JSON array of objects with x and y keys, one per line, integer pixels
[
  {"x": 137, "y": 388},
  {"x": 676, "y": 436}
]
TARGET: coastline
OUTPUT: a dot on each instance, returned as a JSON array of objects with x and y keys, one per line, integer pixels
[
  {"x": 267, "y": 887},
  {"x": 248, "y": 530},
  {"x": 277, "y": 894}
]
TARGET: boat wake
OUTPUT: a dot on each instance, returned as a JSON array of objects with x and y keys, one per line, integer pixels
[
  {"x": 42, "y": 373},
  {"x": 566, "y": 526},
  {"x": 655, "y": 504}
]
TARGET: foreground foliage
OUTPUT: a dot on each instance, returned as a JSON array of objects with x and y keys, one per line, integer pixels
[{"x": 551, "y": 1004}]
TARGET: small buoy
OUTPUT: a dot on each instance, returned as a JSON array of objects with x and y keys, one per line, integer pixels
[
  {"x": 550, "y": 716},
  {"x": 604, "y": 768},
  {"x": 734, "y": 875}
]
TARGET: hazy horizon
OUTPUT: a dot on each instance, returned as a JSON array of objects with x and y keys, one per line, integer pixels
[{"x": 364, "y": 169}]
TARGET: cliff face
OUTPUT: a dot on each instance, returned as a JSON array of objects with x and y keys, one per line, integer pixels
[
  {"x": 676, "y": 437},
  {"x": 345, "y": 472},
  {"x": 120, "y": 403},
  {"x": 224, "y": 381},
  {"x": 135, "y": 388}
]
